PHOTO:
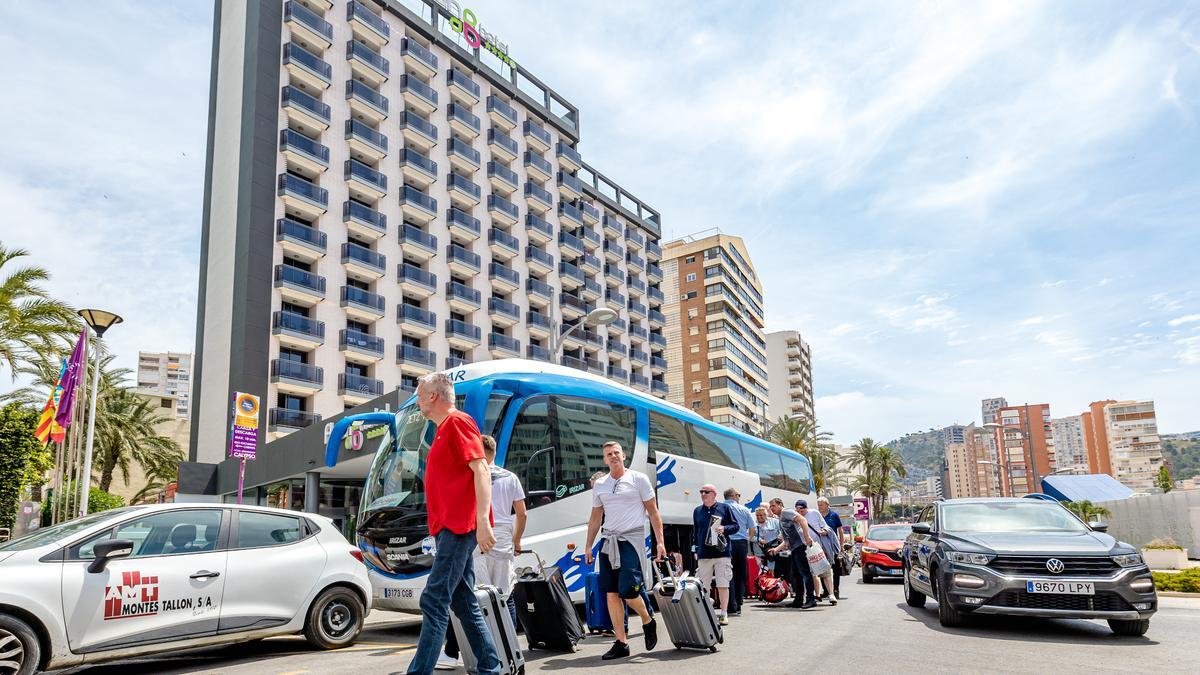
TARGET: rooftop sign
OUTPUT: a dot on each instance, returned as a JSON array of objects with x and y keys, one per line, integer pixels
[{"x": 463, "y": 21}]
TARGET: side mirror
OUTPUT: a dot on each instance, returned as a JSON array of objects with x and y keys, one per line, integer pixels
[
  {"x": 921, "y": 528},
  {"x": 109, "y": 549},
  {"x": 858, "y": 539},
  {"x": 1098, "y": 527}
]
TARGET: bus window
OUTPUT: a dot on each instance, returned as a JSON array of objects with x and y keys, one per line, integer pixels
[
  {"x": 494, "y": 412},
  {"x": 668, "y": 435},
  {"x": 799, "y": 476},
  {"x": 715, "y": 447},
  {"x": 530, "y": 434},
  {"x": 766, "y": 464},
  {"x": 584, "y": 426}
]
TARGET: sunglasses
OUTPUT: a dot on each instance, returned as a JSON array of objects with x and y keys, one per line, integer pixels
[{"x": 706, "y": 492}]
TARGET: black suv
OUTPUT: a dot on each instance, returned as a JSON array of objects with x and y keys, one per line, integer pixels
[{"x": 1025, "y": 556}]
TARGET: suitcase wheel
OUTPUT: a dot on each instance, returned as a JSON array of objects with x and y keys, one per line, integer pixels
[
  {"x": 713, "y": 649},
  {"x": 677, "y": 645}
]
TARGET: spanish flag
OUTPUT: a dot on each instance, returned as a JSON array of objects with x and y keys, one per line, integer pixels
[{"x": 48, "y": 429}]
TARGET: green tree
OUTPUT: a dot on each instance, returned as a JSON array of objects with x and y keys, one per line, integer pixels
[
  {"x": 1163, "y": 479},
  {"x": 32, "y": 324},
  {"x": 803, "y": 435},
  {"x": 1086, "y": 510},
  {"x": 98, "y": 500},
  {"x": 880, "y": 466},
  {"x": 22, "y": 458}
]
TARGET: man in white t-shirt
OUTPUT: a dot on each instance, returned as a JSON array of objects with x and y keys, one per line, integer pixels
[{"x": 622, "y": 500}]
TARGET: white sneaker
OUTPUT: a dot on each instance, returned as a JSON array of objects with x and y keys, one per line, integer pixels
[{"x": 444, "y": 662}]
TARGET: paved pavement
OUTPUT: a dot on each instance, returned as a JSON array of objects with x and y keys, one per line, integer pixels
[{"x": 872, "y": 629}]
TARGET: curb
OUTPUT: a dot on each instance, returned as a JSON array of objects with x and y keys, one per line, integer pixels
[{"x": 1177, "y": 594}]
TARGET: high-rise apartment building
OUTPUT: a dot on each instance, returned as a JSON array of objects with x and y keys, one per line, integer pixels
[
  {"x": 1025, "y": 455},
  {"x": 1070, "y": 450},
  {"x": 789, "y": 376},
  {"x": 716, "y": 351},
  {"x": 167, "y": 373},
  {"x": 955, "y": 433},
  {"x": 387, "y": 194},
  {"x": 990, "y": 406},
  {"x": 970, "y": 469},
  {"x": 1122, "y": 441}
]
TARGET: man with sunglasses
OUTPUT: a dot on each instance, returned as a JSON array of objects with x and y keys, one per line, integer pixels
[{"x": 712, "y": 523}]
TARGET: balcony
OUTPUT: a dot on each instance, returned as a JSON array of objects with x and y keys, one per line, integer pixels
[
  {"x": 415, "y": 321},
  {"x": 658, "y": 364},
  {"x": 284, "y": 418},
  {"x": 636, "y": 286},
  {"x": 614, "y": 299},
  {"x": 463, "y": 121},
  {"x": 504, "y": 277},
  {"x": 417, "y": 94},
  {"x": 633, "y": 238},
  {"x": 568, "y": 157},
  {"x": 538, "y": 229},
  {"x": 591, "y": 290},
  {"x": 462, "y": 260},
  {"x": 503, "y": 312},
  {"x": 417, "y": 243},
  {"x": 302, "y": 197},
  {"x": 362, "y": 263},
  {"x": 574, "y": 362},
  {"x": 539, "y": 199},
  {"x": 594, "y": 366},
  {"x": 635, "y": 261},
  {"x": 613, "y": 252},
  {"x": 307, "y": 24},
  {"x": 570, "y": 246},
  {"x": 307, "y": 68},
  {"x": 416, "y": 281},
  {"x": 659, "y": 388},
  {"x": 364, "y": 182},
  {"x": 539, "y": 293},
  {"x": 365, "y": 142},
  {"x": 613, "y": 273},
  {"x": 462, "y": 87},
  {"x": 503, "y": 245},
  {"x": 464, "y": 192},
  {"x": 361, "y": 304},
  {"x": 418, "y": 131},
  {"x": 539, "y": 324},
  {"x": 569, "y": 216},
  {"x": 502, "y": 210},
  {"x": 418, "y": 57},
  {"x": 590, "y": 263},
  {"x": 638, "y": 356},
  {"x": 293, "y": 377},
  {"x": 656, "y": 296},
  {"x": 415, "y": 360},
  {"x": 357, "y": 389},
  {"x": 572, "y": 306},
  {"x": 504, "y": 180},
  {"x": 503, "y": 147},
  {"x": 367, "y": 64},
  {"x": 537, "y": 166},
  {"x": 638, "y": 333},
  {"x": 538, "y": 260},
  {"x": 536, "y": 136},
  {"x": 360, "y": 347},
  {"x": 300, "y": 241},
  {"x": 637, "y": 309},
  {"x": 657, "y": 340},
  {"x": 570, "y": 187},
  {"x": 502, "y": 114},
  {"x": 363, "y": 220},
  {"x": 417, "y": 205},
  {"x": 462, "y": 297},
  {"x": 299, "y": 286},
  {"x": 304, "y": 110},
  {"x": 653, "y": 252},
  {"x": 417, "y": 169},
  {"x": 612, "y": 226},
  {"x": 463, "y": 156},
  {"x": 462, "y": 335},
  {"x": 538, "y": 353},
  {"x": 617, "y": 348},
  {"x": 618, "y": 373},
  {"x": 654, "y": 272},
  {"x": 463, "y": 226},
  {"x": 297, "y": 331},
  {"x": 657, "y": 318},
  {"x": 367, "y": 25},
  {"x": 636, "y": 380},
  {"x": 365, "y": 102},
  {"x": 501, "y": 346}
]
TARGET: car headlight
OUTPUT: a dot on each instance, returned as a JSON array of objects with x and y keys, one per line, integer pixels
[
  {"x": 968, "y": 558},
  {"x": 870, "y": 549},
  {"x": 1128, "y": 559}
]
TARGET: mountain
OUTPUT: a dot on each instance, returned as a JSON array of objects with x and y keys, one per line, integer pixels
[
  {"x": 1182, "y": 451},
  {"x": 923, "y": 449}
]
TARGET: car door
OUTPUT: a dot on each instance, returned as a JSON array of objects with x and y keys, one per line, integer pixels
[
  {"x": 914, "y": 546},
  {"x": 169, "y": 588},
  {"x": 275, "y": 560}
]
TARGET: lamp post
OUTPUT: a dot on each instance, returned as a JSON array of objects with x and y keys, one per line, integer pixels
[
  {"x": 601, "y": 316},
  {"x": 99, "y": 321}
]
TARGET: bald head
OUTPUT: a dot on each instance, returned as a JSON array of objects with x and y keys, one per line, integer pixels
[{"x": 708, "y": 494}]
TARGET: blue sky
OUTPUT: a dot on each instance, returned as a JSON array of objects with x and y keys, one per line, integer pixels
[{"x": 949, "y": 200}]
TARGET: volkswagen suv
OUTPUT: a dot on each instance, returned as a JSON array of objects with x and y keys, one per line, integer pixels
[{"x": 1025, "y": 556}]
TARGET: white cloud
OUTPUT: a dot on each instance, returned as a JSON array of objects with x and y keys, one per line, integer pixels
[
  {"x": 1189, "y": 353},
  {"x": 1189, "y": 318}
]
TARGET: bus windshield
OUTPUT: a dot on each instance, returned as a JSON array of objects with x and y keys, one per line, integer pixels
[{"x": 396, "y": 478}]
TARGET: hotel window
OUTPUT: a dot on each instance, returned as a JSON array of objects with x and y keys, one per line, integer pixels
[{"x": 691, "y": 276}]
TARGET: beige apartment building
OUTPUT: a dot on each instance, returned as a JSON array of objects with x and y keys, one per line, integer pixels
[
  {"x": 790, "y": 380},
  {"x": 170, "y": 374},
  {"x": 716, "y": 352},
  {"x": 1134, "y": 448},
  {"x": 971, "y": 469},
  {"x": 1070, "y": 449}
]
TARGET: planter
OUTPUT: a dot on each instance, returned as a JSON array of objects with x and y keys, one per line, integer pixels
[{"x": 1165, "y": 558}]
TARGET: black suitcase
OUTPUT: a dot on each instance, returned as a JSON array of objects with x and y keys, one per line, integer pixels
[{"x": 545, "y": 610}]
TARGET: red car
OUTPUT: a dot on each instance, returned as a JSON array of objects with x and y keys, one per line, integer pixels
[{"x": 881, "y": 551}]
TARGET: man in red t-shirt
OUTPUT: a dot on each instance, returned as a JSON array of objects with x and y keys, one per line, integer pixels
[{"x": 458, "y": 493}]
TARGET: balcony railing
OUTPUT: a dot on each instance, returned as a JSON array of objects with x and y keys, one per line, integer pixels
[
  {"x": 501, "y": 108},
  {"x": 412, "y": 195},
  {"x": 368, "y": 56},
  {"x": 536, "y": 287},
  {"x": 568, "y": 300},
  {"x": 618, "y": 373},
  {"x": 536, "y": 131},
  {"x": 613, "y": 225},
  {"x": 458, "y": 112},
  {"x": 295, "y": 185},
  {"x": 569, "y": 153},
  {"x": 294, "y": 53},
  {"x": 566, "y": 269},
  {"x": 457, "y": 78},
  {"x": 466, "y": 185},
  {"x": 456, "y": 253},
  {"x": 298, "y": 277},
  {"x": 298, "y": 323},
  {"x": 539, "y": 193},
  {"x": 570, "y": 213},
  {"x": 410, "y": 234},
  {"x": 538, "y": 319},
  {"x": 457, "y": 218},
  {"x": 462, "y": 329},
  {"x": 638, "y": 331},
  {"x": 358, "y": 170},
  {"x": 286, "y": 228},
  {"x": 410, "y": 47},
  {"x": 504, "y": 239},
  {"x": 416, "y": 315},
  {"x": 504, "y": 307},
  {"x": 456, "y": 289},
  {"x": 537, "y": 161},
  {"x": 639, "y": 380},
  {"x": 498, "y": 203},
  {"x": 541, "y": 225},
  {"x": 497, "y": 137},
  {"x": 635, "y": 260},
  {"x": 358, "y": 212},
  {"x": 656, "y": 316},
  {"x": 508, "y": 344},
  {"x": 572, "y": 183},
  {"x": 614, "y": 296},
  {"x": 310, "y": 104},
  {"x": 415, "y": 158},
  {"x": 613, "y": 272},
  {"x": 574, "y": 362},
  {"x": 410, "y": 83},
  {"x": 659, "y": 387},
  {"x": 534, "y": 253},
  {"x": 294, "y": 419},
  {"x": 613, "y": 247},
  {"x": 656, "y": 294},
  {"x": 635, "y": 283},
  {"x": 637, "y": 308},
  {"x": 464, "y": 150},
  {"x": 357, "y": 11},
  {"x": 294, "y": 370},
  {"x": 639, "y": 356},
  {"x": 658, "y": 362},
  {"x": 537, "y": 353},
  {"x": 414, "y": 274},
  {"x": 416, "y": 355},
  {"x": 590, "y": 261},
  {"x": 411, "y": 120},
  {"x": 361, "y": 91},
  {"x": 616, "y": 347},
  {"x": 363, "y": 255},
  {"x": 356, "y": 129},
  {"x": 307, "y": 17},
  {"x": 635, "y": 237},
  {"x": 568, "y": 240},
  {"x": 498, "y": 170},
  {"x": 364, "y": 341},
  {"x": 657, "y": 339},
  {"x": 352, "y": 295},
  {"x": 350, "y": 383},
  {"x": 500, "y": 271}
]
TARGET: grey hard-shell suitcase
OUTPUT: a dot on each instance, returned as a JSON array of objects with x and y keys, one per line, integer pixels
[
  {"x": 499, "y": 623},
  {"x": 684, "y": 605}
]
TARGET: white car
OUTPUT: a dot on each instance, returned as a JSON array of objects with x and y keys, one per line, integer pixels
[{"x": 146, "y": 579}]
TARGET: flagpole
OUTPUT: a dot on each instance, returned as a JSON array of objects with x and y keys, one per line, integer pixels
[
  {"x": 71, "y": 497},
  {"x": 86, "y": 478},
  {"x": 57, "y": 482}
]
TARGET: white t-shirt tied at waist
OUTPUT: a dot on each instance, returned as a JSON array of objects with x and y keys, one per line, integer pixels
[{"x": 624, "y": 510}]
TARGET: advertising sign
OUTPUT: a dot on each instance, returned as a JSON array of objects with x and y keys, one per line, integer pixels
[
  {"x": 862, "y": 508},
  {"x": 244, "y": 441}
]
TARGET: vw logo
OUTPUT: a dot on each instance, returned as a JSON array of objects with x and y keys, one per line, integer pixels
[{"x": 1055, "y": 566}]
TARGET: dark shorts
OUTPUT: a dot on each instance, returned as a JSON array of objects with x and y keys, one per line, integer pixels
[{"x": 627, "y": 580}]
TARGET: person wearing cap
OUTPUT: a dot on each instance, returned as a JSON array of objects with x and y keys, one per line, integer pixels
[
  {"x": 796, "y": 540},
  {"x": 713, "y": 523},
  {"x": 835, "y": 522}
]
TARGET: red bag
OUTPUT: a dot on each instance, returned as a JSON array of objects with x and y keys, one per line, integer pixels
[
  {"x": 752, "y": 574},
  {"x": 772, "y": 589}
]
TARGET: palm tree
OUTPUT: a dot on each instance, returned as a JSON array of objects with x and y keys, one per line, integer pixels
[
  {"x": 125, "y": 435},
  {"x": 32, "y": 324},
  {"x": 880, "y": 466},
  {"x": 803, "y": 435},
  {"x": 1086, "y": 510}
]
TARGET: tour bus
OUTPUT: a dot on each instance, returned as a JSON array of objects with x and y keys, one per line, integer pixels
[{"x": 550, "y": 423}]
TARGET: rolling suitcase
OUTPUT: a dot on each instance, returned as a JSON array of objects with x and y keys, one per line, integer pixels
[
  {"x": 752, "y": 574},
  {"x": 545, "y": 609},
  {"x": 499, "y": 623},
  {"x": 598, "y": 619},
  {"x": 685, "y": 608}
]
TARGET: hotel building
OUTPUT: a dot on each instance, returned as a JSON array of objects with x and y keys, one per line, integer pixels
[
  {"x": 790, "y": 380},
  {"x": 388, "y": 194}
]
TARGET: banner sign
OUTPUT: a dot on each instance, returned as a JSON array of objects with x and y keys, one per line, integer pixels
[
  {"x": 244, "y": 441},
  {"x": 862, "y": 508}
]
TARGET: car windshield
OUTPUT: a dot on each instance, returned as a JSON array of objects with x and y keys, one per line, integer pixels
[
  {"x": 890, "y": 532},
  {"x": 49, "y": 535},
  {"x": 396, "y": 474},
  {"x": 1025, "y": 516}
]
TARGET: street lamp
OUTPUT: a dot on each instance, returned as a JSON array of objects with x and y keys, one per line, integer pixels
[
  {"x": 99, "y": 321},
  {"x": 601, "y": 316}
]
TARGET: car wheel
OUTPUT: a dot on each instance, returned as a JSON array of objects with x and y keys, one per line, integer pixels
[
  {"x": 947, "y": 615},
  {"x": 335, "y": 619},
  {"x": 912, "y": 596},
  {"x": 867, "y": 578},
  {"x": 1129, "y": 626},
  {"x": 20, "y": 650}
]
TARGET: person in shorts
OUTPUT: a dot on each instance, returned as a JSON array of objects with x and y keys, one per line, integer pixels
[{"x": 712, "y": 523}]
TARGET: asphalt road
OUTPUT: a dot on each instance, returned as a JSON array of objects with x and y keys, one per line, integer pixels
[{"x": 871, "y": 629}]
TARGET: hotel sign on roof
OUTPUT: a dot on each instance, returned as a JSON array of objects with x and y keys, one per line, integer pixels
[{"x": 464, "y": 21}]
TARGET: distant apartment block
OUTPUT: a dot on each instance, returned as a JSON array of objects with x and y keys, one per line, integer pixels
[
  {"x": 970, "y": 469},
  {"x": 1122, "y": 441},
  {"x": 790, "y": 380},
  {"x": 1025, "y": 447},
  {"x": 168, "y": 373},
  {"x": 1070, "y": 449}
]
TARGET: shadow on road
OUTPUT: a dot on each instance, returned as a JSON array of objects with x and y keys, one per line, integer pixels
[{"x": 1028, "y": 629}]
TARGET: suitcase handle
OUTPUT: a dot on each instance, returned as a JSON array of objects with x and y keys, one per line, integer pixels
[{"x": 540, "y": 562}]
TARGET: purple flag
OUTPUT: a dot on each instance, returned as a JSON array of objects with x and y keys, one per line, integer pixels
[{"x": 70, "y": 382}]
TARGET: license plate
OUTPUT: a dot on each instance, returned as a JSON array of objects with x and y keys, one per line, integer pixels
[
  {"x": 895, "y": 573},
  {"x": 1061, "y": 587}
]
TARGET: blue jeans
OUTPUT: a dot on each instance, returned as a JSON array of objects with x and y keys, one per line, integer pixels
[
  {"x": 451, "y": 586},
  {"x": 804, "y": 586}
]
